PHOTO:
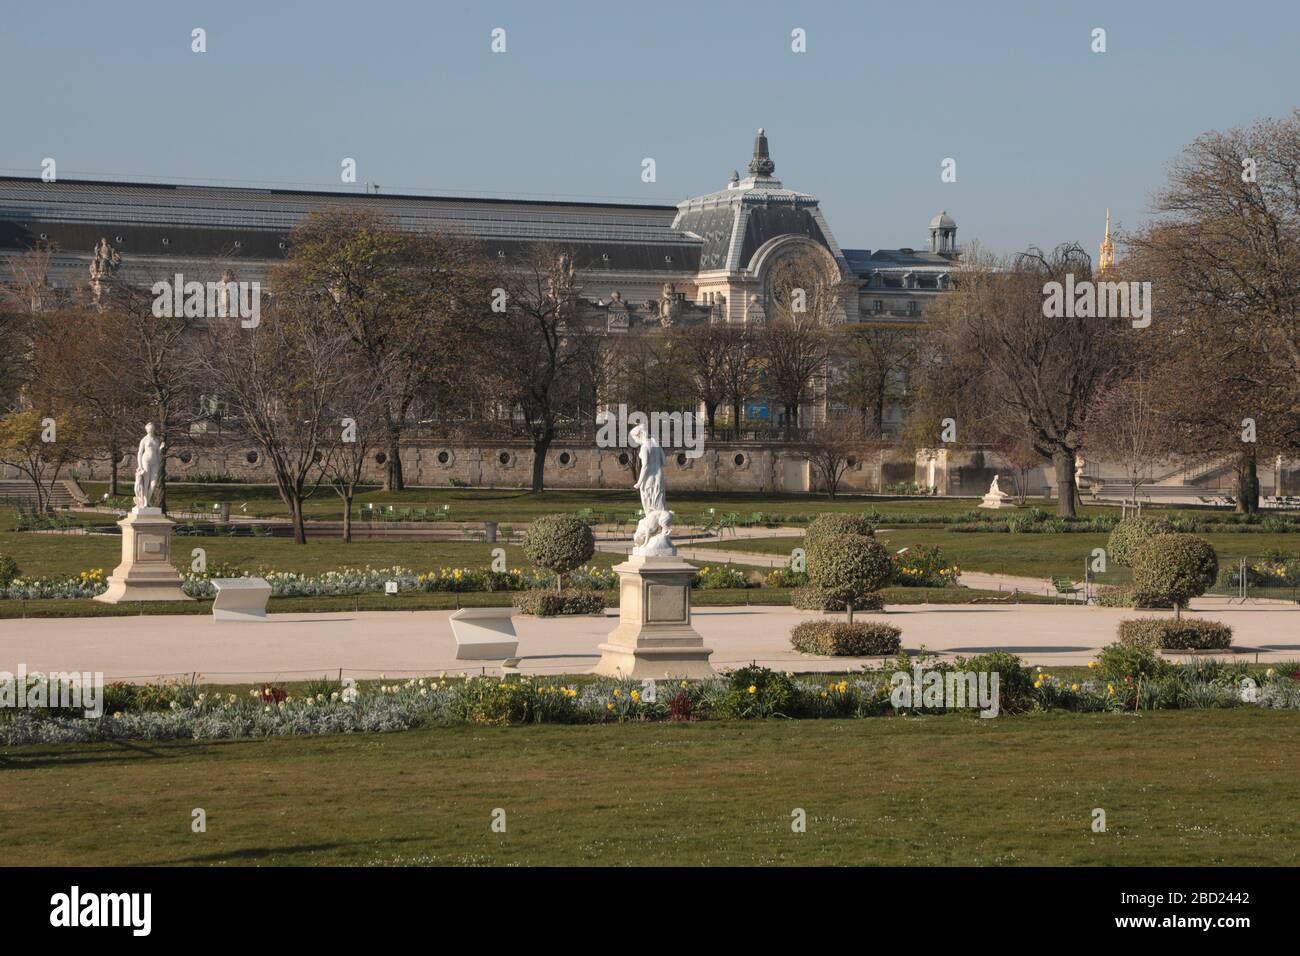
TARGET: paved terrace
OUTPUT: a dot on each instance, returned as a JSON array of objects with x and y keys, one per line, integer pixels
[{"x": 402, "y": 643}]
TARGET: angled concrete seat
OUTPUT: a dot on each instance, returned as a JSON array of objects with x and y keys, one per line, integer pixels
[
  {"x": 484, "y": 633},
  {"x": 240, "y": 599}
]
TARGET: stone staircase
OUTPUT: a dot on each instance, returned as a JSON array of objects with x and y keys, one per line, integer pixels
[{"x": 66, "y": 493}]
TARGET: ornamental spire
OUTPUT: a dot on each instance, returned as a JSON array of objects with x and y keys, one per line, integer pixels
[
  {"x": 1106, "y": 253},
  {"x": 761, "y": 164}
]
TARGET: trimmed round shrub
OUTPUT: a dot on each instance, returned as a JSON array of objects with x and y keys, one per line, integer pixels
[
  {"x": 837, "y": 639},
  {"x": 550, "y": 603},
  {"x": 1179, "y": 635},
  {"x": 559, "y": 543},
  {"x": 1174, "y": 568},
  {"x": 815, "y": 599},
  {"x": 845, "y": 567},
  {"x": 835, "y": 524},
  {"x": 8, "y": 570},
  {"x": 1130, "y": 534}
]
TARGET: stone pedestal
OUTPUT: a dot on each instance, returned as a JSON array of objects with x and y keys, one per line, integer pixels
[
  {"x": 146, "y": 572},
  {"x": 654, "y": 637},
  {"x": 997, "y": 501}
]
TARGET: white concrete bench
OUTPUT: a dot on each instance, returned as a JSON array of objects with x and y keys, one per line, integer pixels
[
  {"x": 240, "y": 599},
  {"x": 484, "y": 633}
]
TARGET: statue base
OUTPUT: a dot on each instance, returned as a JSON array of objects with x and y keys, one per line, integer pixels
[
  {"x": 654, "y": 637},
  {"x": 146, "y": 572},
  {"x": 997, "y": 501}
]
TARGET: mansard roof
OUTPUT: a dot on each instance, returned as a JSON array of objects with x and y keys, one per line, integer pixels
[
  {"x": 734, "y": 223},
  {"x": 178, "y": 221}
]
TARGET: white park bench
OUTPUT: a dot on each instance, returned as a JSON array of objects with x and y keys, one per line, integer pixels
[
  {"x": 240, "y": 599},
  {"x": 484, "y": 633}
]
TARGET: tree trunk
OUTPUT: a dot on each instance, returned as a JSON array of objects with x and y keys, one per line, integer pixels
[
  {"x": 735, "y": 421},
  {"x": 299, "y": 527},
  {"x": 1247, "y": 485},
  {"x": 112, "y": 473},
  {"x": 540, "y": 447},
  {"x": 849, "y": 605},
  {"x": 347, "y": 519},
  {"x": 393, "y": 478},
  {"x": 711, "y": 413},
  {"x": 1063, "y": 462}
]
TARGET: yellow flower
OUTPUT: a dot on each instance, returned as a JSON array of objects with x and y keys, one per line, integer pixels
[
  {"x": 1110, "y": 688},
  {"x": 617, "y": 692},
  {"x": 609, "y": 706},
  {"x": 636, "y": 695},
  {"x": 1091, "y": 665},
  {"x": 753, "y": 689},
  {"x": 1038, "y": 683},
  {"x": 1074, "y": 687}
]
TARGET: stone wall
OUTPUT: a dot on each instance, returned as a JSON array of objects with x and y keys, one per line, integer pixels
[{"x": 723, "y": 466}]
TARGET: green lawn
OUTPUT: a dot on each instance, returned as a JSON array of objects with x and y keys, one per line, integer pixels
[
  {"x": 514, "y": 504},
  {"x": 1029, "y": 555},
  {"x": 1203, "y": 787},
  {"x": 57, "y": 555}
]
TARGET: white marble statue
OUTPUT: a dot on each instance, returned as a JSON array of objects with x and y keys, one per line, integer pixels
[
  {"x": 994, "y": 491},
  {"x": 654, "y": 532},
  {"x": 148, "y": 468}
]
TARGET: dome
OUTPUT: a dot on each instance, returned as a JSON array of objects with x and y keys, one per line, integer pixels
[{"x": 943, "y": 221}]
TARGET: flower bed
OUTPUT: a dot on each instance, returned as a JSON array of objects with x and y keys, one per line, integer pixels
[
  {"x": 923, "y": 566},
  {"x": 84, "y": 585},
  {"x": 182, "y": 711}
]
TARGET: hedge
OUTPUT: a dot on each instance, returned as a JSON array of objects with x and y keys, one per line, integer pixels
[
  {"x": 1117, "y": 595},
  {"x": 837, "y": 639},
  {"x": 1177, "y": 635},
  {"x": 550, "y": 603}
]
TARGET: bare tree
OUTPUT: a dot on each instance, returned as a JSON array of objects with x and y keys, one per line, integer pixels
[
  {"x": 703, "y": 350},
  {"x": 1004, "y": 368},
  {"x": 873, "y": 362},
  {"x": 1224, "y": 252},
  {"x": 410, "y": 303},
  {"x": 806, "y": 301},
  {"x": 740, "y": 369},
  {"x": 1126, "y": 426},
  {"x": 359, "y": 416},
  {"x": 282, "y": 379},
  {"x": 831, "y": 450},
  {"x": 546, "y": 349}
]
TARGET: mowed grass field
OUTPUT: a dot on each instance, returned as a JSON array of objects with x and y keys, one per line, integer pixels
[
  {"x": 1029, "y": 555},
  {"x": 57, "y": 555},
  {"x": 1178, "y": 788},
  {"x": 520, "y": 505}
]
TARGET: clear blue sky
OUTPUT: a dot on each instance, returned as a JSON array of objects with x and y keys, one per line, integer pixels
[{"x": 1046, "y": 134}]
